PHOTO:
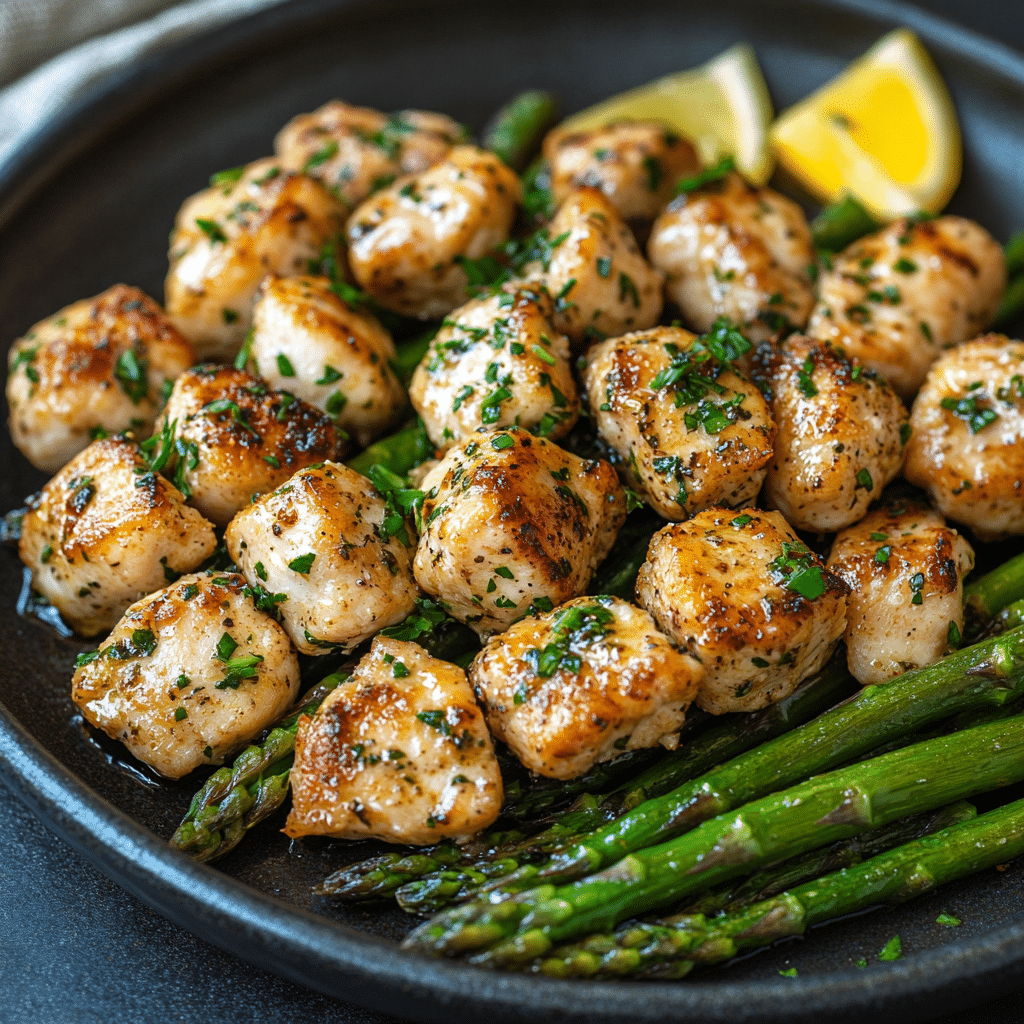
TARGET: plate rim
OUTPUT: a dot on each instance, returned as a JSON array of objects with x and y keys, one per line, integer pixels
[{"x": 331, "y": 957}]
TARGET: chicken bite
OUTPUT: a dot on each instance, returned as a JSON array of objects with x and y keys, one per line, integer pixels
[
  {"x": 839, "y": 434},
  {"x": 690, "y": 430},
  {"x": 105, "y": 531},
  {"x": 399, "y": 752},
  {"x": 97, "y": 367},
  {"x": 895, "y": 299},
  {"x": 407, "y": 242},
  {"x": 636, "y": 164},
  {"x": 590, "y": 262},
  {"x": 228, "y": 437},
  {"x": 252, "y": 221},
  {"x": 497, "y": 361},
  {"x": 330, "y": 550},
  {"x": 310, "y": 342},
  {"x": 190, "y": 675},
  {"x": 743, "y": 595},
  {"x": 355, "y": 151},
  {"x": 737, "y": 251},
  {"x": 905, "y": 569},
  {"x": 511, "y": 523},
  {"x": 967, "y": 442},
  {"x": 582, "y": 683}
]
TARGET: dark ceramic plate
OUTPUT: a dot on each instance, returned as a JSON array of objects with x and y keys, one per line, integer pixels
[{"x": 89, "y": 201}]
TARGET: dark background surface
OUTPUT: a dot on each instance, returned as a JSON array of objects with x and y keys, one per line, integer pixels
[{"x": 75, "y": 947}]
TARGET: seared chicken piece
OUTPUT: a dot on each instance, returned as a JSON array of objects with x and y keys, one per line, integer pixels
[
  {"x": 308, "y": 341},
  {"x": 234, "y": 438},
  {"x": 967, "y": 445},
  {"x": 512, "y": 524},
  {"x": 406, "y": 241},
  {"x": 356, "y": 150},
  {"x": 737, "y": 251},
  {"x": 583, "y": 683},
  {"x": 905, "y": 570},
  {"x": 690, "y": 431},
  {"x": 897, "y": 298},
  {"x": 98, "y": 366},
  {"x": 590, "y": 262},
  {"x": 105, "y": 531},
  {"x": 328, "y": 545},
  {"x": 251, "y": 222},
  {"x": 839, "y": 434},
  {"x": 190, "y": 674},
  {"x": 743, "y": 595},
  {"x": 636, "y": 164},
  {"x": 400, "y": 752},
  {"x": 497, "y": 361}
]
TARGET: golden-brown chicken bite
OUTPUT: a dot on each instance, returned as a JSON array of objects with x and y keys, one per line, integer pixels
[
  {"x": 967, "y": 442},
  {"x": 97, "y": 367},
  {"x": 737, "y": 251},
  {"x": 512, "y": 523},
  {"x": 582, "y": 683},
  {"x": 741, "y": 593},
  {"x": 355, "y": 151},
  {"x": 496, "y": 362},
  {"x": 399, "y": 752},
  {"x": 105, "y": 531},
  {"x": 327, "y": 543},
  {"x": 636, "y": 164},
  {"x": 190, "y": 675},
  {"x": 406, "y": 242},
  {"x": 690, "y": 430},
  {"x": 895, "y": 299},
  {"x": 231, "y": 437},
  {"x": 309, "y": 341},
  {"x": 252, "y": 221},
  {"x": 591, "y": 264},
  {"x": 839, "y": 434},
  {"x": 905, "y": 569}
]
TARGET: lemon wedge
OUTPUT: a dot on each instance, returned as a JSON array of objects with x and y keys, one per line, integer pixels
[
  {"x": 721, "y": 107},
  {"x": 884, "y": 131}
]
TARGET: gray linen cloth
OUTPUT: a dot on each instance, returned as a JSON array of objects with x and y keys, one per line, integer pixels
[{"x": 115, "y": 32}]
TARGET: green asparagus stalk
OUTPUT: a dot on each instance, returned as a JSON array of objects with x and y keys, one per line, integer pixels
[
  {"x": 1011, "y": 308},
  {"x": 672, "y": 948},
  {"x": 234, "y": 799},
  {"x": 409, "y": 354},
  {"x": 822, "y": 810},
  {"x": 398, "y": 453},
  {"x": 777, "y": 879},
  {"x": 987, "y": 675},
  {"x": 840, "y": 224},
  {"x": 989, "y": 594},
  {"x": 516, "y": 131},
  {"x": 1014, "y": 254}
]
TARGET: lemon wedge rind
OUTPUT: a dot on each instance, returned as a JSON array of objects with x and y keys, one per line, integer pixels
[
  {"x": 884, "y": 131},
  {"x": 722, "y": 108}
]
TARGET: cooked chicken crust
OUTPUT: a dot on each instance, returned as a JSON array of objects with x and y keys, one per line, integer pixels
[
  {"x": 513, "y": 523},
  {"x": 619, "y": 684},
  {"x": 99, "y": 365},
  {"x": 895, "y": 299},
  {"x": 190, "y": 675},
  {"x": 716, "y": 586},
  {"x": 105, "y": 531},
  {"x": 892, "y": 558},
  {"x": 400, "y": 752}
]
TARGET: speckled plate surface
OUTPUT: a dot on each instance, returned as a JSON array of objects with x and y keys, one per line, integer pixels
[{"x": 89, "y": 202}]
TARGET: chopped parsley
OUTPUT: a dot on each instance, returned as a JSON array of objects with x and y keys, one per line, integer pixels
[
  {"x": 706, "y": 177},
  {"x": 303, "y": 563},
  {"x": 799, "y": 570},
  {"x": 976, "y": 416},
  {"x": 571, "y": 628}
]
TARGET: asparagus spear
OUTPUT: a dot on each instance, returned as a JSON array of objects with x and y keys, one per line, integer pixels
[
  {"x": 236, "y": 798},
  {"x": 515, "y": 132},
  {"x": 849, "y": 852},
  {"x": 398, "y": 453},
  {"x": 822, "y": 810},
  {"x": 988, "y": 594},
  {"x": 987, "y": 675},
  {"x": 671, "y": 949}
]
